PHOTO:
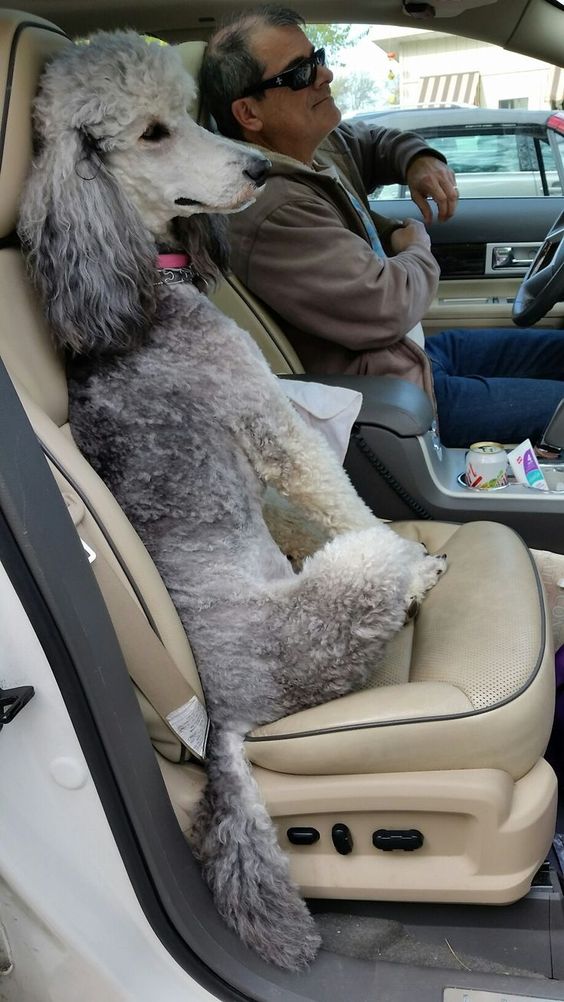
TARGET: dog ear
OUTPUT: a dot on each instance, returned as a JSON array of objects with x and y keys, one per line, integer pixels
[
  {"x": 204, "y": 238},
  {"x": 88, "y": 252}
]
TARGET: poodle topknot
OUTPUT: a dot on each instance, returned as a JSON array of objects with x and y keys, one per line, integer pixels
[
  {"x": 176, "y": 409},
  {"x": 107, "y": 85}
]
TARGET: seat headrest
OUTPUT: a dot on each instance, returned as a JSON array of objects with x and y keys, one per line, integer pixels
[
  {"x": 26, "y": 42},
  {"x": 192, "y": 54}
]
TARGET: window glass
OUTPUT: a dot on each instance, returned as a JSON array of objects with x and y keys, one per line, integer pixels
[
  {"x": 382, "y": 71},
  {"x": 513, "y": 102},
  {"x": 493, "y": 164},
  {"x": 474, "y": 153},
  {"x": 553, "y": 156}
]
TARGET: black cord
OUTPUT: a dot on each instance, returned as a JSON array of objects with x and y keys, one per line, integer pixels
[{"x": 387, "y": 476}]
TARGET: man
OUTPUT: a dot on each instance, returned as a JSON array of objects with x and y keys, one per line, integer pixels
[{"x": 309, "y": 248}]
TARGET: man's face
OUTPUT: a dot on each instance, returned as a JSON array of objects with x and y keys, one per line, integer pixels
[{"x": 293, "y": 121}]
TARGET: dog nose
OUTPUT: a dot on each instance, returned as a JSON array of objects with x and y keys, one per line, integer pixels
[{"x": 257, "y": 170}]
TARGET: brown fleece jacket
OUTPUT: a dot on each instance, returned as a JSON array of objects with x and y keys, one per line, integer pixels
[{"x": 304, "y": 251}]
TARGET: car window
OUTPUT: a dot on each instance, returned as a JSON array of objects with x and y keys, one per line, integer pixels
[
  {"x": 500, "y": 146},
  {"x": 474, "y": 153},
  {"x": 556, "y": 153},
  {"x": 493, "y": 162}
]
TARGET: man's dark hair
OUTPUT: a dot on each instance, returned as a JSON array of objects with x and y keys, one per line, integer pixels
[{"x": 228, "y": 68}]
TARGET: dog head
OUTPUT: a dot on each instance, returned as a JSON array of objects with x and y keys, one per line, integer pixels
[
  {"x": 124, "y": 102},
  {"x": 121, "y": 166}
]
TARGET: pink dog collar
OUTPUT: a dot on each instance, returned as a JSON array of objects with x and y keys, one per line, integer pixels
[
  {"x": 177, "y": 269},
  {"x": 172, "y": 260}
]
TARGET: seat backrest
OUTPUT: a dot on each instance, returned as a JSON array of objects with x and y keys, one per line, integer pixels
[
  {"x": 232, "y": 297},
  {"x": 26, "y": 42}
]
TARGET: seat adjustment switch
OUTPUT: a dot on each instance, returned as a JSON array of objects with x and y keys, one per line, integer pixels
[
  {"x": 302, "y": 836},
  {"x": 397, "y": 838},
  {"x": 342, "y": 839}
]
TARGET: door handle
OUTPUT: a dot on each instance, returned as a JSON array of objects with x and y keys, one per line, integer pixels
[{"x": 509, "y": 257}]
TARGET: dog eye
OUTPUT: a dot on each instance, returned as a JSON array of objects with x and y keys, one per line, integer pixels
[{"x": 155, "y": 132}]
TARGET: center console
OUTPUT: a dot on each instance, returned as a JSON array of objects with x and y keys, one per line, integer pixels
[{"x": 399, "y": 466}]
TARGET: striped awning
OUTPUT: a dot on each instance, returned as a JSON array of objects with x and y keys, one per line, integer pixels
[
  {"x": 556, "y": 96},
  {"x": 449, "y": 88}
]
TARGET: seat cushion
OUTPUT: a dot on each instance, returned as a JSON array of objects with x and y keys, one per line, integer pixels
[{"x": 480, "y": 668}]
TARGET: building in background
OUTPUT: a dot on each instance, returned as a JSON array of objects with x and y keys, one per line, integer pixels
[{"x": 433, "y": 68}]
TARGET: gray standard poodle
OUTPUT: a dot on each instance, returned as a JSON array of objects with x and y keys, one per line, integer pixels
[{"x": 176, "y": 409}]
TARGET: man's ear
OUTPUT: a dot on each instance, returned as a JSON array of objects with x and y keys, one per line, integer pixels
[{"x": 246, "y": 111}]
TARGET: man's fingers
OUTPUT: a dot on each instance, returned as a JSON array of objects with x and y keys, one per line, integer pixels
[
  {"x": 446, "y": 198},
  {"x": 423, "y": 205},
  {"x": 429, "y": 178},
  {"x": 451, "y": 192}
]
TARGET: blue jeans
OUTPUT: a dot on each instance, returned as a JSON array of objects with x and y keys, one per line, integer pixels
[{"x": 496, "y": 384}]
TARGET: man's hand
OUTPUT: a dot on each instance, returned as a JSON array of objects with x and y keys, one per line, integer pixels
[
  {"x": 428, "y": 177},
  {"x": 412, "y": 232}
]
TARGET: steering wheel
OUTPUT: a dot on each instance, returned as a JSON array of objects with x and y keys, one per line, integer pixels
[{"x": 543, "y": 285}]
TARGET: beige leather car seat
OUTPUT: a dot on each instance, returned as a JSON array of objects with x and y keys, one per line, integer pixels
[{"x": 448, "y": 741}]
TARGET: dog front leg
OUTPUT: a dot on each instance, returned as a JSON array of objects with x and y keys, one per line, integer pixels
[
  {"x": 298, "y": 462},
  {"x": 334, "y": 619}
]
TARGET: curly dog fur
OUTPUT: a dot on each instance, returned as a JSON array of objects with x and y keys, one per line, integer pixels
[{"x": 177, "y": 411}]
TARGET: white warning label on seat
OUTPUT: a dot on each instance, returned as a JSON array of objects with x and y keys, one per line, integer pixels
[{"x": 190, "y": 723}]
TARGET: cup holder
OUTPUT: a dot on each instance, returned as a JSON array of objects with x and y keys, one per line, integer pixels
[
  {"x": 461, "y": 478},
  {"x": 554, "y": 476}
]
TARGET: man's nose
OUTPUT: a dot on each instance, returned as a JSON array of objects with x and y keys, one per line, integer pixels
[{"x": 324, "y": 75}]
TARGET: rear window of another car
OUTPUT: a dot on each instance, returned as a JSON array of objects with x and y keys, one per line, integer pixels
[{"x": 494, "y": 162}]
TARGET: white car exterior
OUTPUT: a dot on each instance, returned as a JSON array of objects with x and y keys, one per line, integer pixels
[{"x": 71, "y": 925}]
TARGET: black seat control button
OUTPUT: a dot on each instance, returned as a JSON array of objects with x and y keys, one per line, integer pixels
[
  {"x": 303, "y": 836},
  {"x": 342, "y": 839},
  {"x": 397, "y": 838}
]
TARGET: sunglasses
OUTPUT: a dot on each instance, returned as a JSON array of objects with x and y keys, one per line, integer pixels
[{"x": 299, "y": 77}]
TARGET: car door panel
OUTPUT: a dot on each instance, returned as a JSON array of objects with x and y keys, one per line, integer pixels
[{"x": 483, "y": 253}]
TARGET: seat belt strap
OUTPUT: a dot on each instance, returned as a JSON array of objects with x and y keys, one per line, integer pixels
[{"x": 149, "y": 663}]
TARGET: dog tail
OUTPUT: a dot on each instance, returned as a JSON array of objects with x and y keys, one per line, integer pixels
[{"x": 235, "y": 842}]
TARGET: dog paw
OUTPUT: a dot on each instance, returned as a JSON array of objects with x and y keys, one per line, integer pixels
[
  {"x": 412, "y": 609},
  {"x": 426, "y": 574}
]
